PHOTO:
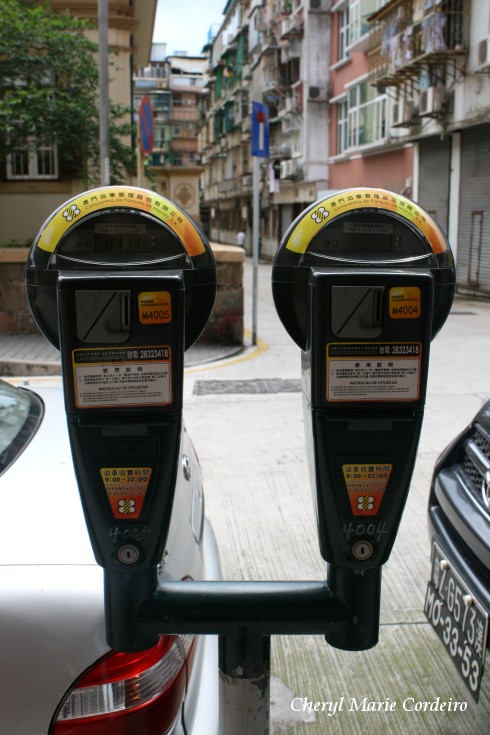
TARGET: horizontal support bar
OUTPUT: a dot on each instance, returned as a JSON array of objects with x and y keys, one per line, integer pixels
[{"x": 266, "y": 608}]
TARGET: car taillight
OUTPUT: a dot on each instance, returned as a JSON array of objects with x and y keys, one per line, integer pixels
[{"x": 129, "y": 693}]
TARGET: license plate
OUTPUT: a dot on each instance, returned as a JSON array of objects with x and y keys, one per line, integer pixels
[{"x": 458, "y": 619}]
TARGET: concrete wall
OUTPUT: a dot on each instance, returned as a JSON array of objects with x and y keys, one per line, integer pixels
[
  {"x": 226, "y": 323},
  {"x": 225, "y": 326},
  {"x": 15, "y": 315}
]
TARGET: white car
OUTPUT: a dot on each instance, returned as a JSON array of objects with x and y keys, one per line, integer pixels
[{"x": 57, "y": 674}]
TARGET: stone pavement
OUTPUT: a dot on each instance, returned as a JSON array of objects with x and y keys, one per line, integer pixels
[{"x": 245, "y": 417}]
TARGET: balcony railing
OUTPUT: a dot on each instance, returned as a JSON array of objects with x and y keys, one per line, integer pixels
[
  {"x": 402, "y": 41},
  {"x": 183, "y": 114}
]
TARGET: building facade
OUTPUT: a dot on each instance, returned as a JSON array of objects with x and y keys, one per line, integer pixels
[
  {"x": 365, "y": 150},
  {"x": 40, "y": 190},
  {"x": 385, "y": 93},
  {"x": 432, "y": 58},
  {"x": 275, "y": 53},
  {"x": 173, "y": 84}
]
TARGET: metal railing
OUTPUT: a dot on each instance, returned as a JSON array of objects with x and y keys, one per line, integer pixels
[{"x": 402, "y": 42}]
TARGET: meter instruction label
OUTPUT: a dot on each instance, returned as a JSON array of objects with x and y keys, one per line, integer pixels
[
  {"x": 366, "y": 484},
  {"x": 122, "y": 377},
  {"x": 373, "y": 371},
  {"x": 404, "y": 302},
  {"x": 126, "y": 489},
  {"x": 154, "y": 307}
]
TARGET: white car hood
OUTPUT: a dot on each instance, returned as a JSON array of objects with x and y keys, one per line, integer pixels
[{"x": 43, "y": 521}]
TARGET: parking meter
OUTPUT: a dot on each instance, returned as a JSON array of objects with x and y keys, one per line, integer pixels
[
  {"x": 122, "y": 281},
  {"x": 362, "y": 282}
]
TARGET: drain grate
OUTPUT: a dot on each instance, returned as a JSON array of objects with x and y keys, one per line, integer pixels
[{"x": 260, "y": 385}]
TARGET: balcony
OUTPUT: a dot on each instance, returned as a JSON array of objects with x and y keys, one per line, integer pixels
[
  {"x": 184, "y": 145},
  {"x": 183, "y": 114},
  {"x": 359, "y": 28},
  {"x": 405, "y": 39}
]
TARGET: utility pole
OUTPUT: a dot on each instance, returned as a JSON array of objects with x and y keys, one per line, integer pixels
[
  {"x": 260, "y": 149},
  {"x": 105, "y": 165}
]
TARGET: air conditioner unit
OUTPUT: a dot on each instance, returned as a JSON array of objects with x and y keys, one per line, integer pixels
[
  {"x": 318, "y": 93},
  {"x": 287, "y": 169},
  {"x": 261, "y": 21},
  {"x": 431, "y": 100},
  {"x": 483, "y": 61},
  {"x": 318, "y": 6},
  {"x": 285, "y": 27},
  {"x": 402, "y": 112}
]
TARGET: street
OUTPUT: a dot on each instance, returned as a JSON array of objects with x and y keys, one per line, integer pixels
[{"x": 249, "y": 436}]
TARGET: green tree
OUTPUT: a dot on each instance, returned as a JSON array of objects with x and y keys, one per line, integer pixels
[{"x": 49, "y": 90}]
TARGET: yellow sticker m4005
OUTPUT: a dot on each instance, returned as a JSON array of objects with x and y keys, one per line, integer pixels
[{"x": 154, "y": 307}]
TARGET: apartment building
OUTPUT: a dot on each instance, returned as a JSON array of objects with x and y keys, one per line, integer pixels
[
  {"x": 173, "y": 84},
  {"x": 432, "y": 60},
  {"x": 364, "y": 150},
  {"x": 39, "y": 191},
  {"x": 224, "y": 129},
  {"x": 385, "y": 93},
  {"x": 275, "y": 53}
]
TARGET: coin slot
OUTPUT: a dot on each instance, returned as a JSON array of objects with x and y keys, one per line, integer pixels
[{"x": 125, "y": 312}]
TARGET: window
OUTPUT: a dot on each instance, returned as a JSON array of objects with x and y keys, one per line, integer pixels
[
  {"x": 33, "y": 162},
  {"x": 366, "y": 115},
  {"x": 343, "y": 33},
  {"x": 159, "y": 137},
  {"x": 360, "y": 10},
  {"x": 355, "y": 21},
  {"x": 342, "y": 126},
  {"x": 20, "y": 415}
]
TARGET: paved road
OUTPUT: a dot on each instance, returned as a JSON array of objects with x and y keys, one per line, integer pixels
[{"x": 252, "y": 451}]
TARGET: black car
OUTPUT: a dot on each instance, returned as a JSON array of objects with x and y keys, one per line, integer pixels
[{"x": 457, "y": 602}]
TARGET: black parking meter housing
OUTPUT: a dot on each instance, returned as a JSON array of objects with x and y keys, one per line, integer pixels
[
  {"x": 362, "y": 282},
  {"x": 122, "y": 281}
]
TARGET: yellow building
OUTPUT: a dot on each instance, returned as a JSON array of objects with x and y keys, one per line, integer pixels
[{"x": 27, "y": 199}]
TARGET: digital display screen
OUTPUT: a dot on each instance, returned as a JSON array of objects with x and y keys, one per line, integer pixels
[
  {"x": 361, "y": 236},
  {"x": 103, "y": 239},
  {"x": 123, "y": 238},
  {"x": 377, "y": 237}
]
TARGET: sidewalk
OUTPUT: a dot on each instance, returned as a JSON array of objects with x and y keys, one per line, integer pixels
[{"x": 32, "y": 354}]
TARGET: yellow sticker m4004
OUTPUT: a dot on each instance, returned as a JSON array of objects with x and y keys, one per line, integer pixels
[{"x": 404, "y": 302}]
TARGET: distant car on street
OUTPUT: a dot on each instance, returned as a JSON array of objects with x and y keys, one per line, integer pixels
[
  {"x": 458, "y": 595},
  {"x": 57, "y": 674}
]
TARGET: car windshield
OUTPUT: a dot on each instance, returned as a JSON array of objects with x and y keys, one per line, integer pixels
[{"x": 20, "y": 415}]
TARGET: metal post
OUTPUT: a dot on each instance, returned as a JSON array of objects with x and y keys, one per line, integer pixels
[
  {"x": 244, "y": 683},
  {"x": 360, "y": 591},
  {"x": 255, "y": 244},
  {"x": 103, "y": 18}
]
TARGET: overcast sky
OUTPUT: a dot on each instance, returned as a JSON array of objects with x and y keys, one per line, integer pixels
[{"x": 184, "y": 24}]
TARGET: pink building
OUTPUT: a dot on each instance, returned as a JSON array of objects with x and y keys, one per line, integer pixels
[{"x": 363, "y": 151}]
